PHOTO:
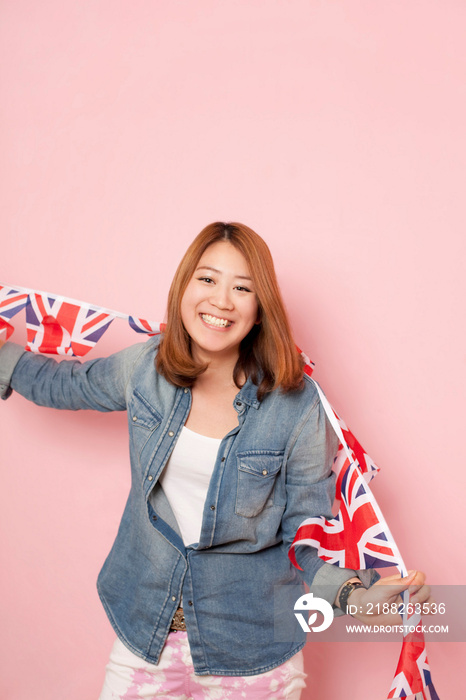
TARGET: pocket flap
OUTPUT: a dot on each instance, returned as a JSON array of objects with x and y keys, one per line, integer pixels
[
  {"x": 142, "y": 414},
  {"x": 262, "y": 463}
]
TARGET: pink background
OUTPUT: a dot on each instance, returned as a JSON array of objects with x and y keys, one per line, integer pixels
[{"x": 336, "y": 130}]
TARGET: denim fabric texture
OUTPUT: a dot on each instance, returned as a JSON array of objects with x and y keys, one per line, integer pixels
[{"x": 272, "y": 471}]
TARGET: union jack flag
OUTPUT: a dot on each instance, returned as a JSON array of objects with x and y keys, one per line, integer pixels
[
  {"x": 358, "y": 454},
  {"x": 11, "y": 303},
  {"x": 142, "y": 326},
  {"x": 355, "y": 538},
  {"x": 309, "y": 365},
  {"x": 60, "y": 327},
  {"x": 412, "y": 676},
  {"x": 359, "y": 538}
]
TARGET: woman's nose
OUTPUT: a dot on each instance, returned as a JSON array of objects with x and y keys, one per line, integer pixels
[{"x": 221, "y": 297}]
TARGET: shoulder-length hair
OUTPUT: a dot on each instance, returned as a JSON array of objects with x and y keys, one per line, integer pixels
[{"x": 267, "y": 354}]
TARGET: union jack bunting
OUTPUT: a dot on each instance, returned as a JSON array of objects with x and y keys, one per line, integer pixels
[
  {"x": 62, "y": 328},
  {"x": 11, "y": 303},
  {"x": 412, "y": 676},
  {"x": 141, "y": 326},
  {"x": 308, "y": 364},
  {"x": 358, "y": 537},
  {"x": 358, "y": 454},
  {"x": 355, "y": 538}
]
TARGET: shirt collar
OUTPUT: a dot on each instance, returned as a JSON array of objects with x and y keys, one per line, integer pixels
[{"x": 248, "y": 394}]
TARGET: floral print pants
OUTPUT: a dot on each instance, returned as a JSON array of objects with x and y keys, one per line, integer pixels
[{"x": 130, "y": 678}]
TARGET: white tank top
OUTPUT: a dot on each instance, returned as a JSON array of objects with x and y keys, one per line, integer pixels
[{"x": 185, "y": 480}]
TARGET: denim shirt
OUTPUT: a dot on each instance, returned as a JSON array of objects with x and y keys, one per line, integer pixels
[{"x": 272, "y": 471}]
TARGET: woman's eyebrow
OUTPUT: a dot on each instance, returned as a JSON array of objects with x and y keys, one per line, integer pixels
[{"x": 219, "y": 272}]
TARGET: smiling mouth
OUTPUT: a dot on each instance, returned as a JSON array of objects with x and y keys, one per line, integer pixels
[{"x": 214, "y": 321}]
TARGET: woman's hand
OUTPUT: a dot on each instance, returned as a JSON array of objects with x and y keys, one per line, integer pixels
[{"x": 378, "y": 604}]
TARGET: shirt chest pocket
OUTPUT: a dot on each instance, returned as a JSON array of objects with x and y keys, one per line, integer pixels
[
  {"x": 257, "y": 473},
  {"x": 143, "y": 420}
]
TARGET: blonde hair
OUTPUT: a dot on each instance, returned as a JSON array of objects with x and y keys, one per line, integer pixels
[{"x": 267, "y": 354}]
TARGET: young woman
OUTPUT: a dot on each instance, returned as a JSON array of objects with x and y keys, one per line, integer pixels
[{"x": 230, "y": 451}]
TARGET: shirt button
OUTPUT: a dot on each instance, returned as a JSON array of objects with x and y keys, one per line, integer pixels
[
  {"x": 135, "y": 418},
  {"x": 171, "y": 433},
  {"x": 212, "y": 507},
  {"x": 190, "y": 602},
  {"x": 238, "y": 403},
  {"x": 173, "y": 598},
  {"x": 149, "y": 478},
  {"x": 264, "y": 472},
  {"x": 186, "y": 390},
  {"x": 223, "y": 459}
]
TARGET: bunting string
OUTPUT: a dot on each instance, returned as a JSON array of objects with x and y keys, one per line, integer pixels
[{"x": 358, "y": 537}]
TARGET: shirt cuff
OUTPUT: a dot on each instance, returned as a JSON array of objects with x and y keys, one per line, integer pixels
[
  {"x": 9, "y": 356},
  {"x": 330, "y": 578}
]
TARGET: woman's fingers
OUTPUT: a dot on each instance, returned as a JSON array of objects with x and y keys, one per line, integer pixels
[{"x": 422, "y": 595}]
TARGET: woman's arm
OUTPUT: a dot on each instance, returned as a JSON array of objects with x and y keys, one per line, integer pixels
[
  {"x": 98, "y": 384},
  {"x": 310, "y": 489},
  {"x": 310, "y": 484}
]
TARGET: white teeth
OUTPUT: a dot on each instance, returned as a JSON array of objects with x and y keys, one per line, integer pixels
[{"x": 213, "y": 321}]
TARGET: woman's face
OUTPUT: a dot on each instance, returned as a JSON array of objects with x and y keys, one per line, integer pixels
[{"x": 219, "y": 306}]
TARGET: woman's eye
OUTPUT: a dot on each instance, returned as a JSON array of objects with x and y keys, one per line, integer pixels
[
  {"x": 243, "y": 289},
  {"x": 205, "y": 279}
]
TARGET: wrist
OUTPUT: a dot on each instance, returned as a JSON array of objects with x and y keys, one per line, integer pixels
[
  {"x": 354, "y": 598},
  {"x": 347, "y": 591}
]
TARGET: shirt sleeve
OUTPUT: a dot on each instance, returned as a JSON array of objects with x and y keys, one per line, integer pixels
[
  {"x": 98, "y": 384},
  {"x": 310, "y": 487}
]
